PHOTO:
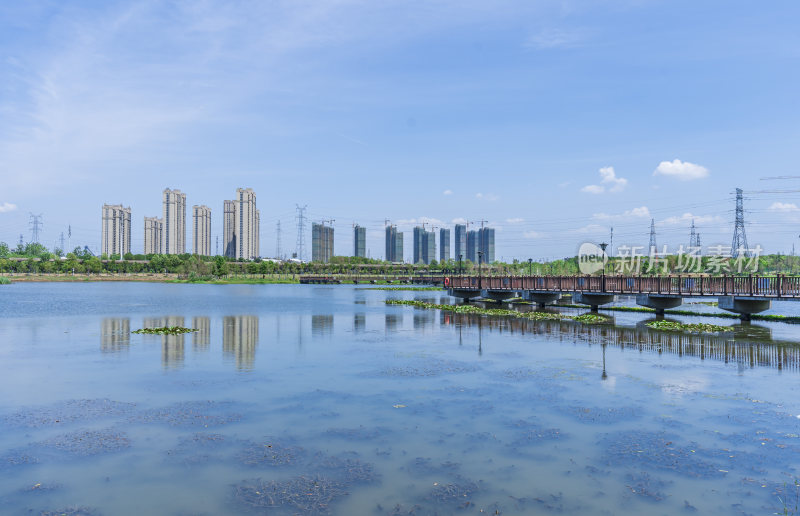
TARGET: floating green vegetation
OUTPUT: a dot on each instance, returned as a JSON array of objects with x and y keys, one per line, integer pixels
[
  {"x": 502, "y": 312},
  {"x": 302, "y": 494},
  {"x": 4, "y": 281},
  {"x": 690, "y": 328},
  {"x": 165, "y": 330},
  {"x": 723, "y": 315}
]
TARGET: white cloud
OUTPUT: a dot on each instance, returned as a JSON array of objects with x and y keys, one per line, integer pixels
[
  {"x": 532, "y": 234},
  {"x": 784, "y": 207},
  {"x": 515, "y": 220},
  {"x": 593, "y": 189},
  {"x": 682, "y": 170},
  {"x": 687, "y": 218},
  {"x": 641, "y": 212},
  {"x": 487, "y": 196},
  {"x": 609, "y": 182},
  {"x": 591, "y": 228},
  {"x": 447, "y": 192},
  {"x": 564, "y": 184},
  {"x": 7, "y": 206},
  {"x": 555, "y": 38},
  {"x": 459, "y": 220}
]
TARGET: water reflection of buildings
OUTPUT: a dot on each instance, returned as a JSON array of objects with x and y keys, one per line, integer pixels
[
  {"x": 393, "y": 321},
  {"x": 172, "y": 346},
  {"x": 201, "y": 339},
  {"x": 747, "y": 345},
  {"x": 359, "y": 322},
  {"x": 240, "y": 339},
  {"x": 321, "y": 325},
  {"x": 115, "y": 335}
]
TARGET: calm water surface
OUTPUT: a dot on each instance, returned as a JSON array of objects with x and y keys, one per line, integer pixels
[{"x": 311, "y": 399}]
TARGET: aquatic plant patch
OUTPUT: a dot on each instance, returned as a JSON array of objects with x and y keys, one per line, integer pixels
[
  {"x": 188, "y": 414},
  {"x": 165, "y": 330},
  {"x": 88, "y": 443},
  {"x": 687, "y": 328},
  {"x": 302, "y": 494},
  {"x": 270, "y": 452},
  {"x": 502, "y": 312},
  {"x": 67, "y": 411},
  {"x": 72, "y": 511}
]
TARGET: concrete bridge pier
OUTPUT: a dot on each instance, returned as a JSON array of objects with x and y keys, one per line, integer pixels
[
  {"x": 593, "y": 299},
  {"x": 744, "y": 306},
  {"x": 658, "y": 302},
  {"x": 465, "y": 294},
  {"x": 541, "y": 298},
  {"x": 498, "y": 295}
]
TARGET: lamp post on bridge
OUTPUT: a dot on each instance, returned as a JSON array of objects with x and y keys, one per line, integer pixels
[
  {"x": 603, "y": 281},
  {"x": 530, "y": 266},
  {"x": 460, "y": 265},
  {"x": 480, "y": 261}
]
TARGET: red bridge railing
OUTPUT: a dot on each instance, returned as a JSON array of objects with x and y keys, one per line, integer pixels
[{"x": 779, "y": 286}]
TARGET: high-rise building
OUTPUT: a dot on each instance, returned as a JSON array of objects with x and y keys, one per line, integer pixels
[
  {"x": 321, "y": 242},
  {"x": 486, "y": 244},
  {"x": 153, "y": 235},
  {"x": 394, "y": 245},
  {"x": 424, "y": 246},
  {"x": 201, "y": 230},
  {"x": 229, "y": 229},
  {"x": 116, "y": 230},
  {"x": 359, "y": 242},
  {"x": 242, "y": 226},
  {"x": 444, "y": 245},
  {"x": 461, "y": 242},
  {"x": 174, "y": 218},
  {"x": 472, "y": 247}
]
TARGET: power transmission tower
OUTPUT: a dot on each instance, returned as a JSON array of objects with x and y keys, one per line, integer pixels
[
  {"x": 611, "y": 244},
  {"x": 36, "y": 226},
  {"x": 301, "y": 231},
  {"x": 739, "y": 243},
  {"x": 217, "y": 251},
  {"x": 278, "y": 242},
  {"x": 692, "y": 236},
  {"x": 21, "y": 240},
  {"x": 69, "y": 235},
  {"x": 653, "y": 245},
  {"x": 697, "y": 240}
]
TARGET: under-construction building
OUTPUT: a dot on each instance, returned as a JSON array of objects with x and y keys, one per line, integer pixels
[
  {"x": 460, "y": 242},
  {"x": 444, "y": 245},
  {"x": 153, "y": 235},
  {"x": 116, "y": 232},
  {"x": 472, "y": 246},
  {"x": 321, "y": 242},
  {"x": 424, "y": 246},
  {"x": 359, "y": 241},
  {"x": 394, "y": 245},
  {"x": 241, "y": 226},
  {"x": 486, "y": 244},
  {"x": 201, "y": 230},
  {"x": 174, "y": 218}
]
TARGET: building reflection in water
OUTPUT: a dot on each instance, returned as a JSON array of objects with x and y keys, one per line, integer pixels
[
  {"x": 359, "y": 322},
  {"x": 201, "y": 339},
  {"x": 240, "y": 339},
  {"x": 747, "y": 345},
  {"x": 393, "y": 321},
  {"x": 115, "y": 334},
  {"x": 321, "y": 325},
  {"x": 172, "y": 346}
]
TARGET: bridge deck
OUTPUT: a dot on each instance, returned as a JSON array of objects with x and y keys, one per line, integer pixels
[{"x": 773, "y": 287}]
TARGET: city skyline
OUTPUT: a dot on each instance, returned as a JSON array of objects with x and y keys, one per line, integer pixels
[{"x": 552, "y": 122}]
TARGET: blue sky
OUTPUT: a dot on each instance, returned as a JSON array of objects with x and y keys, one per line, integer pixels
[{"x": 552, "y": 120}]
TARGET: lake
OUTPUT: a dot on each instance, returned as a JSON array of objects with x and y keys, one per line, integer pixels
[{"x": 305, "y": 399}]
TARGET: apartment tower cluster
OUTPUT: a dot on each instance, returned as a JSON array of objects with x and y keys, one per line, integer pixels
[{"x": 167, "y": 234}]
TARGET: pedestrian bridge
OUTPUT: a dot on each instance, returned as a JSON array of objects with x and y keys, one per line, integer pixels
[{"x": 744, "y": 295}]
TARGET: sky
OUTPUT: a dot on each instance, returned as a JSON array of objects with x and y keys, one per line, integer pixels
[{"x": 551, "y": 121}]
